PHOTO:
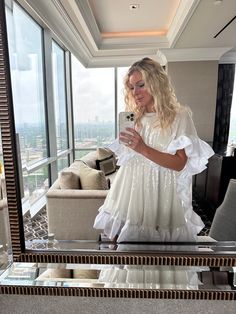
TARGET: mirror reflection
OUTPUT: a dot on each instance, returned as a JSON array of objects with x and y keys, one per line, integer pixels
[
  {"x": 158, "y": 152},
  {"x": 5, "y": 242},
  {"x": 203, "y": 246},
  {"x": 119, "y": 276},
  {"x": 55, "y": 129}
]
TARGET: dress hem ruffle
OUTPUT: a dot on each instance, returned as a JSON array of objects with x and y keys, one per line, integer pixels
[{"x": 129, "y": 232}]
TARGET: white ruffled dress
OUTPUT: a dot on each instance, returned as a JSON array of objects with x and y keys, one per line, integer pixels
[
  {"x": 149, "y": 277},
  {"x": 148, "y": 202}
]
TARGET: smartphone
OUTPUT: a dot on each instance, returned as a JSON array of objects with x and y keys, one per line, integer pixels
[{"x": 126, "y": 120}]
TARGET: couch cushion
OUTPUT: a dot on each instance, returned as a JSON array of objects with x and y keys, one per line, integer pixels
[
  {"x": 106, "y": 160},
  {"x": 69, "y": 179},
  {"x": 91, "y": 179}
]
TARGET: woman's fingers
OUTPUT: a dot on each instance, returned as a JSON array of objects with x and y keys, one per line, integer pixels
[
  {"x": 131, "y": 139},
  {"x": 126, "y": 138}
]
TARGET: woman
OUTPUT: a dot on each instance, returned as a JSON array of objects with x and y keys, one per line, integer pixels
[{"x": 151, "y": 196}]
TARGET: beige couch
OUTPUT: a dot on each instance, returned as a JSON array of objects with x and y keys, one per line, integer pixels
[{"x": 71, "y": 211}]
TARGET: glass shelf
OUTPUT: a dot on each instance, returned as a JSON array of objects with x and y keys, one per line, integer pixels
[
  {"x": 211, "y": 247},
  {"x": 120, "y": 276}
]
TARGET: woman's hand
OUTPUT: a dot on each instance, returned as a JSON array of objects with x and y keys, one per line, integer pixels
[{"x": 132, "y": 140}]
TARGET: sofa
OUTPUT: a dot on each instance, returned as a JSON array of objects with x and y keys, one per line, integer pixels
[{"x": 72, "y": 202}]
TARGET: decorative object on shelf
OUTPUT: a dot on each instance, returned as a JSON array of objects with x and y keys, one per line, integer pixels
[{"x": 52, "y": 243}]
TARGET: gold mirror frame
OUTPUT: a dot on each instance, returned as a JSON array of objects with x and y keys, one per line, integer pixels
[{"x": 20, "y": 254}]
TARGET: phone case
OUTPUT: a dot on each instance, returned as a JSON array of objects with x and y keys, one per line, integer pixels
[{"x": 126, "y": 120}]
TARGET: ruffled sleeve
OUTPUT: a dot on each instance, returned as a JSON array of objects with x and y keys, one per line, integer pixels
[
  {"x": 183, "y": 136},
  {"x": 123, "y": 152},
  {"x": 197, "y": 151}
]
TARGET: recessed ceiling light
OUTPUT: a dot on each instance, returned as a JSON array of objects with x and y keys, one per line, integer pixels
[
  {"x": 134, "y": 6},
  {"x": 217, "y": 2}
]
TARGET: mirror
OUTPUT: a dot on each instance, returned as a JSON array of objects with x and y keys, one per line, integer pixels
[
  {"x": 83, "y": 251},
  {"x": 126, "y": 281}
]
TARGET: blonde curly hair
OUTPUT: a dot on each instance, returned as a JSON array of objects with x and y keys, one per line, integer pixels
[{"x": 159, "y": 86}]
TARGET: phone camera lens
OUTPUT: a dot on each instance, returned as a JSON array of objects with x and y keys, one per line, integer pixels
[{"x": 132, "y": 115}]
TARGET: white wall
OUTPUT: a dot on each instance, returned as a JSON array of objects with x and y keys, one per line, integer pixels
[{"x": 195, "y": 84}]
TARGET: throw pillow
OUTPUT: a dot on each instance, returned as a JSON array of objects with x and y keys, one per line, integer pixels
[
  {"x": 106, "y": 160},
  {"x": 90, "y": 158},
  {"x": 91, "y": 179},
  {"x": 69, "y": 179},
  {"x": 103, "y": 152},
  {"x": 107, "y": 165}
]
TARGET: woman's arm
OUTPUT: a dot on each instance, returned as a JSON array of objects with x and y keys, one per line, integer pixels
[
  {"x": 174, "y": 162},
  {"x": 134, "y": 141}
]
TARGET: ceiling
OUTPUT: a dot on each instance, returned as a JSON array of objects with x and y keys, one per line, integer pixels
[{"x": 111, "y": 32}]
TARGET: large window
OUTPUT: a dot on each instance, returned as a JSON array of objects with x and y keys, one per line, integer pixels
[
  {"x": 25, "y": 47},
  {"x": 121, "y": 72},
  {"x": 58, "y": 68},
  {"x": 25, "y": 39},
  {"x": 62, "y": 163},
  {"x": 43, "y": 118},
  {"x": 35, "y": 185},
  {"x": 93, "y": 106}
]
